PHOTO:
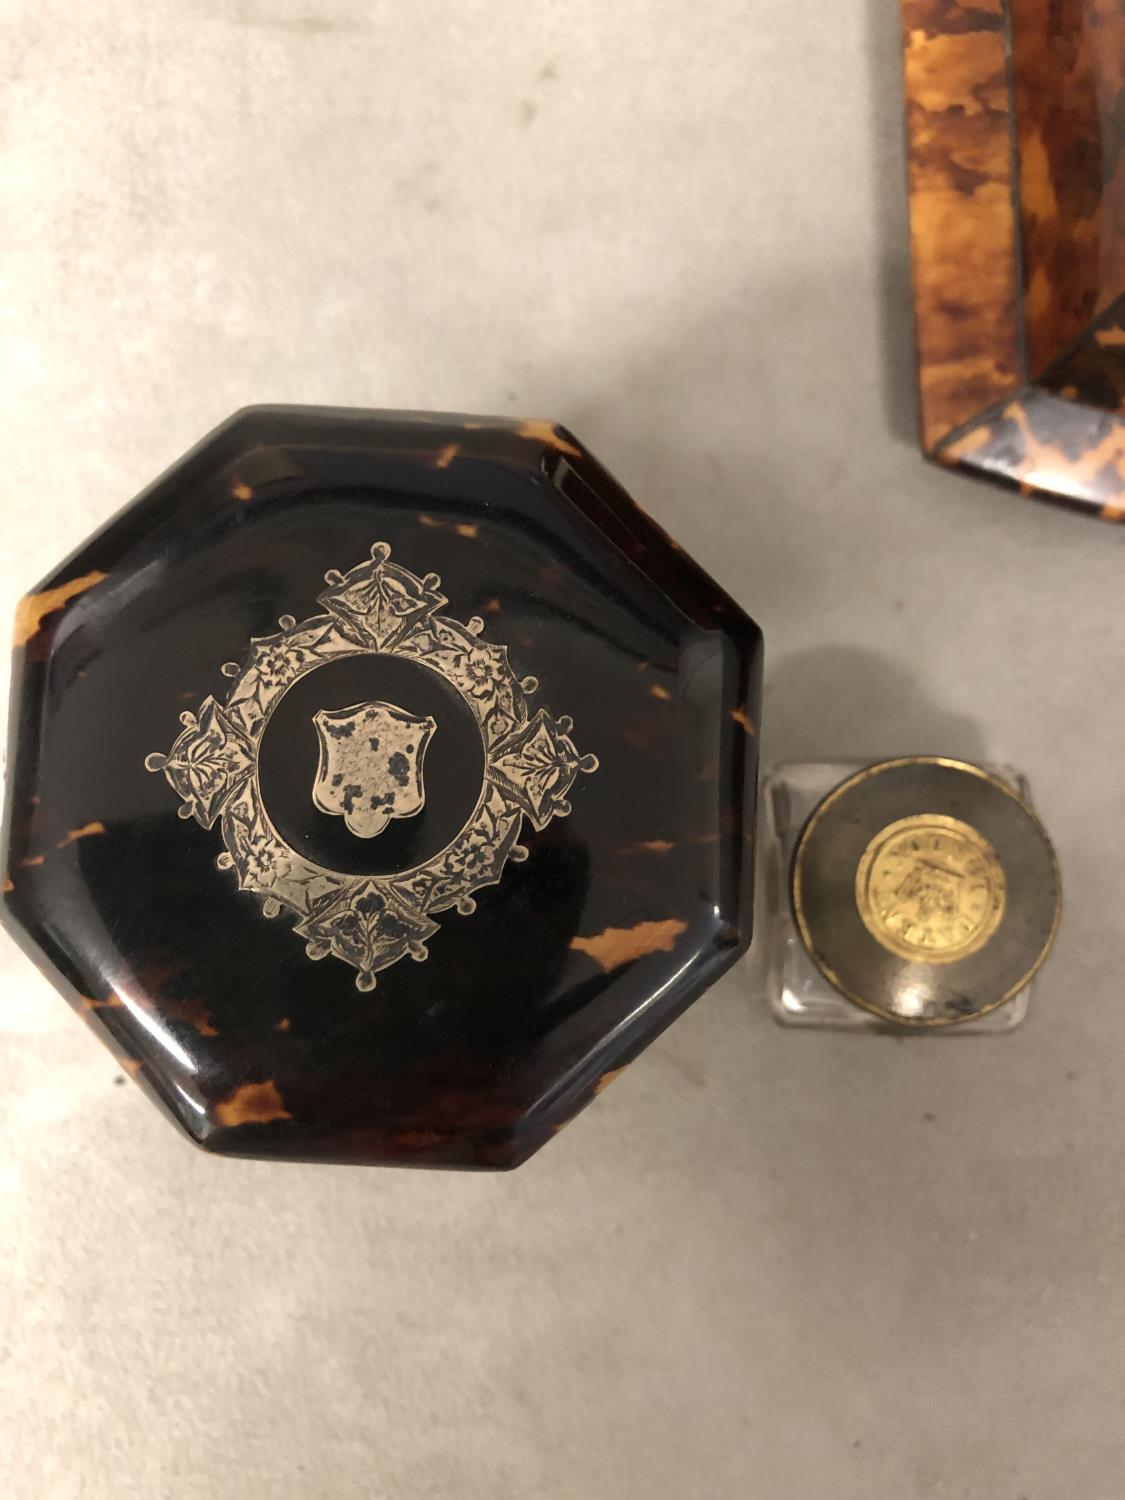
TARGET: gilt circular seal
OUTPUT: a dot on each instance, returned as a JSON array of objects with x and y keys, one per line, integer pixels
[
  {"x": 930, "y": 888},
  {"x": 925, "y": 889}
]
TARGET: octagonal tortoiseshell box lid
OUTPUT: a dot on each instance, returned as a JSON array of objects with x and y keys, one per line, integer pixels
[{"x": 379, "y": 784}]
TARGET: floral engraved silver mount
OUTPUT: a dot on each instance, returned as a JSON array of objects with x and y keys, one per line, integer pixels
[{"x": 371, "y": 921}]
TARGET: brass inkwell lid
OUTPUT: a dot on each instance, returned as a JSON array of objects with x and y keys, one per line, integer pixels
[{"x": 925, "y": 890}]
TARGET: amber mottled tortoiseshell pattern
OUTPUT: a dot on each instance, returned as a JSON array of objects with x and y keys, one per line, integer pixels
[
  {"x": 629, "y": 892},
  {"x": 1015, "y": 112}
]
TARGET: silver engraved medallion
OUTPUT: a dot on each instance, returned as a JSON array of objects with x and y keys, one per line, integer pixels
[{"x": 372, "y": 767}]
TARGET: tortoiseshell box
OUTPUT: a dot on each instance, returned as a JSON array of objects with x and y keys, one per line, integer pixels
[{"x": 380, "y": 785}]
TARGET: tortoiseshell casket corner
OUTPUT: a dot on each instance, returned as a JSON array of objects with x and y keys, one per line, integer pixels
[
  {"x": 1017, "y": 215},
  {"x": 380, "y": 785}
]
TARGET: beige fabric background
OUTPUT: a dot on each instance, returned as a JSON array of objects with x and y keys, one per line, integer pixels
[{"x": 755, "y": 1269}]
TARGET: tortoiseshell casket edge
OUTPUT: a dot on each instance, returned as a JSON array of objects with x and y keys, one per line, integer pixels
[{"x": 1055, "y": 433}]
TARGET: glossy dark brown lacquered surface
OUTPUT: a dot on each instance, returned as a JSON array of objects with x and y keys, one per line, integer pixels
[
  {"x": 621, "y": 915},
  {"x": 1016, "y": 195},
  {"x": 1068, "y": 67},
  {"x": 1092, "y": 371}
]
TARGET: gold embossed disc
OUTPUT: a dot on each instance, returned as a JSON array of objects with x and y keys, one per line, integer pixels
[
  {"x": 925, "y": 890},
  {"x": 930, "y": 888}
]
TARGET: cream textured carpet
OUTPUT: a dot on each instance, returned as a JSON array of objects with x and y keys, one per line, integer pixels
[{"x": 757, "y": 1268}]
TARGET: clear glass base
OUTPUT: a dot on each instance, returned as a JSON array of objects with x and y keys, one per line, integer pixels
[{"x": 799, "y": 995}]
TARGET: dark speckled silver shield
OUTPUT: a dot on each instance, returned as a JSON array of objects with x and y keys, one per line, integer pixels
[{"x": 370, "y": 768}]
